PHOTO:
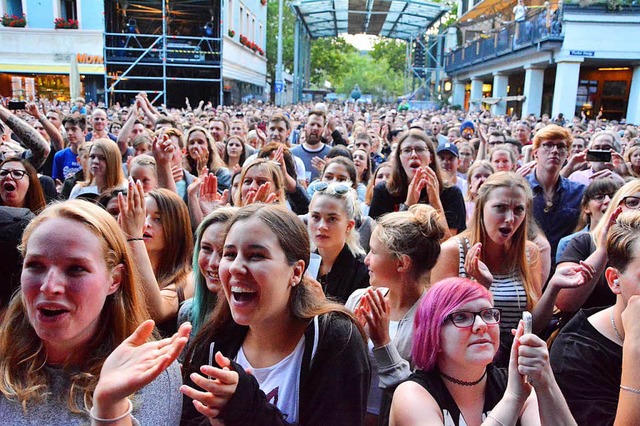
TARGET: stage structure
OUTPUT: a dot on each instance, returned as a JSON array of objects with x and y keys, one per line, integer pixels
[
  {"x": 407, "y": 20},
  {"x": 171, "y": 49}
]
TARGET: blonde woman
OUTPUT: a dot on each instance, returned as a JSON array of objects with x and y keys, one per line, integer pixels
[{"x": 105, "y": 170}]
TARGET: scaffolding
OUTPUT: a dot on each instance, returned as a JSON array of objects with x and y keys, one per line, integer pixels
[
  {"x": 170, "y": 49},
  {"x": 425, "y": 67}
]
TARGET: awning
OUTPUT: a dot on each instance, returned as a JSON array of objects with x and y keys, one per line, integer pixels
[
  {"x": 490, "y": 8},
  {"x": 51, "y": 69},
  {"x": 386, "y": 18}
]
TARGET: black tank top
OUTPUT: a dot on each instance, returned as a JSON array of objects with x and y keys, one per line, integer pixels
[{"x": 432, "y": 382}]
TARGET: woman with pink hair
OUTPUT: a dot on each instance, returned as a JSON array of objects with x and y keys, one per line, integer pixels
[{"x": 456, "y": 337}]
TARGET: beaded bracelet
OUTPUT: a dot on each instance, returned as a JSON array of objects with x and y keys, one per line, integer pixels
[{"x": 99, "y": 420}]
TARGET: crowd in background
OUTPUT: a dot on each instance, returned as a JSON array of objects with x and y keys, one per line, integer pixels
[{"x": 316, "y": 264}]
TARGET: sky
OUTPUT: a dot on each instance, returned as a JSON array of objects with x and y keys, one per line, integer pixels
[{"x": 360, "y": 41}]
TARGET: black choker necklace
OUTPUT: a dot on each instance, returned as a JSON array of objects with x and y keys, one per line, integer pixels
[{"x": 462, "y": 382}]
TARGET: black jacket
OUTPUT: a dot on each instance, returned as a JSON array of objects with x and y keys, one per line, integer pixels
[
  {"x": 334, "y": 381},
  {"x": 347, "y": 274}
]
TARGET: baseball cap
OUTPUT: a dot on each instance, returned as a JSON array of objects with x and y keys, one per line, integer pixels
[{"x": 447, "y": 147}]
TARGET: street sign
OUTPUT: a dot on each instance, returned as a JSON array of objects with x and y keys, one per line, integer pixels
[
  {"x": 279, "y": 86},
  {"x": 582, "y": 53}
]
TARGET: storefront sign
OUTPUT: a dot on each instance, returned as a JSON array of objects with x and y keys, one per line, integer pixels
[
  {"x": 582, "y": 53},
  {"x": 83, "y": 58}
]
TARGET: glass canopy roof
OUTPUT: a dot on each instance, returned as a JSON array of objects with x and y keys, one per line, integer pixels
[{"x": 387, "y": 18}]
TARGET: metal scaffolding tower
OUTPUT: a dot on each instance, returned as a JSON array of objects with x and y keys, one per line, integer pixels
[{"x": 170, "y": 49}]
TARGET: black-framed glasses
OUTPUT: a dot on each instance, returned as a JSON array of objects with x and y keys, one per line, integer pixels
[
  {"x": 16, "y": 174},
  {"x": 464, "y": 319},
  {"x": 548, "y": 146},
  {"x": 600, "y": 197},
  {"x": 631, "y": 202},
  {"x": 339, "y": 188}
]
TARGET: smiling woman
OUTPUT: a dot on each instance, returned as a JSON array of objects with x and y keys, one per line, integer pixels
[
  {"x": 306, "y": 355},
  {"x": 74, "y": 338}
]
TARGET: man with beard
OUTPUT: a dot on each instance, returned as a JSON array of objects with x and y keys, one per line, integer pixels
[
  {"x": 312, "y": 147},
  {"x": 278, "y": 130},
  {"x": 556, "y": 200}
]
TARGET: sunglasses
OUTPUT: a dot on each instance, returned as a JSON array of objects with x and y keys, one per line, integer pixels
[{"x": 339, "y": 189}]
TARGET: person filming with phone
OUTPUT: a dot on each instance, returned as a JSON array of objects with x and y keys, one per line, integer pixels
[{"x": 603, "y": 153}]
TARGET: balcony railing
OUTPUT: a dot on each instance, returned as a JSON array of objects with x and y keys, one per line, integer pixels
[{"x": 536, "y": 28}]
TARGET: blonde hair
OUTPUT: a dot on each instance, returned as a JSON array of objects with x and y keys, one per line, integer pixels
[
  {"x": 22, "y": 374},
  {"x": 516, "y": 248},
  {"x": 214, "y": 162},
  {"x": 351, "y": 206},
  {"x": 272, "y": 170},
  {"x": 115, "y": 176},
  {"x": 622, "y": 241},
  {"x": 416, "y": 233}
]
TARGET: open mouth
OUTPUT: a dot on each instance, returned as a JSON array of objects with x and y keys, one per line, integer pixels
[
  {"x": 505, "y": 231},
  {"x": 147, "y": 236},
  {"x": 415, "y": 164},
  {"x": 243, "y": 295},
  {"x": 9, "y": 186}
]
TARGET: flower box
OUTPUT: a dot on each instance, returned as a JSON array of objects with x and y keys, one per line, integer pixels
[
  {"x": 14, "y": 21},
  {"x": 65, "y": 24},
  {"x": 232, "y": 33}
]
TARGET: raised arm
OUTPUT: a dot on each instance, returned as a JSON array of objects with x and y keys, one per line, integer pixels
[
  {"x": 54, "y": 134},
  {"x": 162, "y": 304},
  {"x": 127, "y": 127},
  {"x": 29, "y": 136}
]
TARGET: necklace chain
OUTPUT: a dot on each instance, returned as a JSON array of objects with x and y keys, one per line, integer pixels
[
  {"x": 462, "y": 382},
  {"x": 615, "y": 328}
]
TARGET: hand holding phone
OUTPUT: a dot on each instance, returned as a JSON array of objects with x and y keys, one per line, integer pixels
[
  {"x": 528, "y": 329},
  {"x": 599, "y": 156}
]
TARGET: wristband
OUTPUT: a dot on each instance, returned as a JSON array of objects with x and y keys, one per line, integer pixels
[
  {"x": 630, "y": 389},
  {"x": 99, "y": 420},
  {"x": 135, "y": 239}
]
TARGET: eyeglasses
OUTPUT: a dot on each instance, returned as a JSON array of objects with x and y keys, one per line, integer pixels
[
  {"x": 16, "y": 174},
  {"x": 629, "y": 202},
  {"x": 600, "y": 197},
  {"x": 419, "y": 150},
  {"x": 464, "y": 319},
  {"x": 548, "y": 146},
  {"x": 339, "y": 189}
]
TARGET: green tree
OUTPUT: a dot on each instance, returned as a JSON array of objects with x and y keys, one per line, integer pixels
[
  {"x": 375, "y": 77},
  {"x": 288, "y": 25},
  {"x": 329, "y": 60},
  {"x": 391, "y": 50}
]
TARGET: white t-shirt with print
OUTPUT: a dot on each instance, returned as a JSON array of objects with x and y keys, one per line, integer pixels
[{"x": 280, "y": 382}]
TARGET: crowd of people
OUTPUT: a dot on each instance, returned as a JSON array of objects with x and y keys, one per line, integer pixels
[{"x": 317, "y": 264}]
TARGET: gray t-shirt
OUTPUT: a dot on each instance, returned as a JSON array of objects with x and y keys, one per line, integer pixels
[{"x": 158, "y": 403}]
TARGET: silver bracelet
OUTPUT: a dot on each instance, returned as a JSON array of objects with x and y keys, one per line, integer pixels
[
  {"x": 629, "y": 389},
  {"x": 99, "y": 420}
]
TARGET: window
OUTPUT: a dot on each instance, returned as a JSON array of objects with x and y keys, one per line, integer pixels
[
  {"x": 69, "y": 9},
  {"x": 230, "y": 15},
  {"x": 247, "y": 22},
  {"x": 259, "y": 39},
  {"x": 241, "y": 23},
  {"x": 252, "y": 30},
  {"x": 13, "y": 7}
]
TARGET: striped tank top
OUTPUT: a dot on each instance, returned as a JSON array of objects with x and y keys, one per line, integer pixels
[{"x": 508, "y": 292}]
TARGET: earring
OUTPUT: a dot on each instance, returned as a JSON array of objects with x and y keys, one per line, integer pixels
[{"x": 616, "y": 282}]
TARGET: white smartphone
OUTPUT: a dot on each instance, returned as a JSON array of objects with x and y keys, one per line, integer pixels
[
  {"x": 528, "y": 328},
  {"x": 528, "y": 322}
]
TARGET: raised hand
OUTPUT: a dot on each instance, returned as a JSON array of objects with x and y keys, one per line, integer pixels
[
  {"x": 572, "y": 276},
  {"x": 516, "y": 385},
  {"x": 135, "y": 363},
  {"x": 526, "y": 169},
  {"x": 33, "y": 110},
  {"x": 417, "y": 184},
  {"x": 218, "y": 388},
  {"x": 601, "y": 240},
  {"x": 132, "y": 210},
  {"x": 262, "y": 195},
  {"x": 162, "y": 149},
  {"x": 210, "y": 199},
  {"x": 476, "y": 268},
  {"x": 375, "y": 310},
  {"x": 533, "y": 360}
]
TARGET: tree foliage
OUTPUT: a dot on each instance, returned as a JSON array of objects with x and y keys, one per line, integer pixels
[
  {"x": 391, "y": 50},
  {"x": 329, "y": 60},
  {"x": 374, "y": 77},
  {"x": 288, "y": 25}
]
